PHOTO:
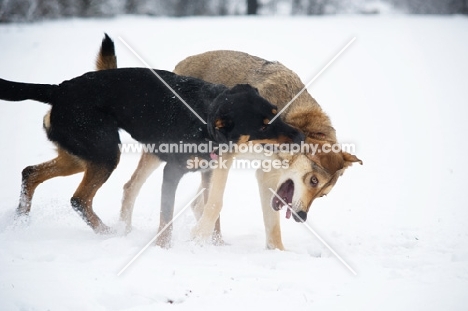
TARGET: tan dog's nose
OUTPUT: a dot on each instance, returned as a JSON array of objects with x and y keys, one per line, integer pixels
[{"x": 302, "y": 216}]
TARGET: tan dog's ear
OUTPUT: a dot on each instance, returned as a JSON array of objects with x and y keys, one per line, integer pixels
[
  {"x": 349, "y": 159},
  {"x": 317, "y": 135}
]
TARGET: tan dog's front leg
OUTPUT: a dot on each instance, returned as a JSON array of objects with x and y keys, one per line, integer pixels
[
  {"x": 271, "y": 218},
  {"x": 206, "y": 224},
  {"x": 199, "y": 203}
]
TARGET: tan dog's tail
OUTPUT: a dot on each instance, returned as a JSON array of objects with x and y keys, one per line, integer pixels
[{"x": 106, "y": 58}]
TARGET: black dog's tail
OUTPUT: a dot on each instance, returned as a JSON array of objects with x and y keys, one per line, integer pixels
[
  {"x": 15, "y": 91},
  {"x": 106, "y": 58}
]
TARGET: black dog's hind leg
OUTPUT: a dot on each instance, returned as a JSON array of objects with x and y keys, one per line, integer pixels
[
  {"x": 64, "y": 164},
  {"x": 171, "y": 177},
  {"x": 96, "y": 174}
]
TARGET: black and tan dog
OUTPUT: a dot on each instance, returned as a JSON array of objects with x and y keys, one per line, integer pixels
[
  {"x": 309, "y": 175},
  {"x": 88, "y": 111}
]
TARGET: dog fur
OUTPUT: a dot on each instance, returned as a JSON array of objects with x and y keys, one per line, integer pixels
[
  {"x": 88, "y": 111},
  {"x": 311, "y": 175}
]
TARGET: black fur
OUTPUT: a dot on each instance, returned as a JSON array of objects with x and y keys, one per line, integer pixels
[
  {"x": 107, "y": 47},
  {"x": 88, "y": 111},
  {"x": 15, "y": 91}
]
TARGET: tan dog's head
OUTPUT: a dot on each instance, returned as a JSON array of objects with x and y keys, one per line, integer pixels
[{"x": 309, "y": 176}]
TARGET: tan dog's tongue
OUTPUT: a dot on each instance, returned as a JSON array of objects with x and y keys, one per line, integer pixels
[
  {"x": 213, "y": 155},
  {"x": 288, "y": 212}
]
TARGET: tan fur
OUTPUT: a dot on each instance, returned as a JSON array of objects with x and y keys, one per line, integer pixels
[
  {"x": 279, "y": 85},
  {"x": 104, "y": 62},
  {"x": 271, "y": 218},
  {"x": 147, "y": 165},
  {"x": 243, "y": 139},
  {"x": 94, "y": 177},
  {"x": 199, "y": 203},
  {"x": 66, "y": 164},
  {"x": 213, "y": 204},
  {"x": 219, "y": 124},
  {"x": 46, "y": 120},
  {"x": 273, "y": 80}
]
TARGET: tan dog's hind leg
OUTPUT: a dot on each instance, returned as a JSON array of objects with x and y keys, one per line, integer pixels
[
  {"x": 64, "y": 164},
  {"x": 206, "y": 224},
  {"x": 147, "y": 165},
  {"x": 271, "y": 218},
  {"x": 82, "y": 201}
]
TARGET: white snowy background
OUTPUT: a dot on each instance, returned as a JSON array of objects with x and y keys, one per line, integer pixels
[{"x": 400, "y": 220}]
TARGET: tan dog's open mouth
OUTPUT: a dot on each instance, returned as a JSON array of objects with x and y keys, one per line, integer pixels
[{"x": 286, "y": 193}]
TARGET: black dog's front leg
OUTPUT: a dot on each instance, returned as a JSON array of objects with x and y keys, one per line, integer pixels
[{"x": 172, "y": 175}]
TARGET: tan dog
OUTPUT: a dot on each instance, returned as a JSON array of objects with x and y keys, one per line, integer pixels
[{"x": 309, "y": 175}]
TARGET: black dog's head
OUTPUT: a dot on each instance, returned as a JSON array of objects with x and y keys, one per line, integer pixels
[{"x": 240, "y": 114}]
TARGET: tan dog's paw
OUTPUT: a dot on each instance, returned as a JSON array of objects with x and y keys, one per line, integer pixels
[
  {"x": 217, "y": 239},
  {"x": 201, "y": 234},
  {"x": 273, "y": 246}
]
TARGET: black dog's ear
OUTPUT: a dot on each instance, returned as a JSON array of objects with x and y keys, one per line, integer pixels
[
  {"x": 243, "y": 88},
  {"x": 216, "y": 129}
]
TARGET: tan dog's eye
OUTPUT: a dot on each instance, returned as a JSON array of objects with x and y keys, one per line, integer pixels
[{"x": 314, "y": 181}]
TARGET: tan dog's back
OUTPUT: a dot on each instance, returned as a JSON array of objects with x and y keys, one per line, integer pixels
[{"x": 233, "y": 67}]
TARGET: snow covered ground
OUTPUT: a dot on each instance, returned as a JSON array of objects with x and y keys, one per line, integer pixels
[{"x": 400, "y": 220}]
